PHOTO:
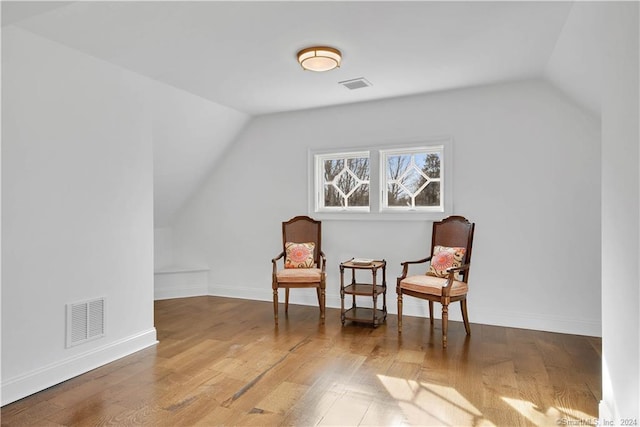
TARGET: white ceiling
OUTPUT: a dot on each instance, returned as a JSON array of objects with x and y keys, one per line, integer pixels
[{"x": 242, "y": 54}]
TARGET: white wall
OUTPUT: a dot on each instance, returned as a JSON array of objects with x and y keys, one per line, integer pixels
[
  {"x": 190, "y": 134},
  {"x": 77, "y": 220},
  {"x": 620, "y": 214},
  {"x": 526, "y": 170},
  {"x": 162, "y": 247}
]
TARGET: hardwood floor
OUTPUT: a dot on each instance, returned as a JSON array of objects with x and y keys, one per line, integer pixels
[{"x": 221, "y": 361}]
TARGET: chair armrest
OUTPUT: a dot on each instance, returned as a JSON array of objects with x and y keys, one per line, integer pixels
[
  {"x": 405, "y": 266},
  {"x": 456, "y": 269},
  {"x": 323, "y": 261},
  {"x": 273, "y": 261},
  {"x": 452, "y": 276}
]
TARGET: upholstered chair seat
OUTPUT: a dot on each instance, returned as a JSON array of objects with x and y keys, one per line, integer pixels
[
  {"x": 299, "y": 275},
  {"x": 433, "y": 285}
]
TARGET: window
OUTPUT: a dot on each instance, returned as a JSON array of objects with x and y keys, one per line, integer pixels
[
  {"x": 342, "y": 182},
  {"x": 411, "y": 179},
  {"x": 407, "y": 182}
]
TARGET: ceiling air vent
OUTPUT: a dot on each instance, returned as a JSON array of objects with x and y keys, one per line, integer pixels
[{"x": 358, "y": 83}]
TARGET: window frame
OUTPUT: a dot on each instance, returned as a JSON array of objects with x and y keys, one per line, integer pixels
[
  {"x": 384, "y": 182},
  {"x": 318, "y": 172},
  {"x": 376, "y": 211}
]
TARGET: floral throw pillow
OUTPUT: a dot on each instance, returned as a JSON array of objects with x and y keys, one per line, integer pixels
[
  {"x": 443, "y": 258},
  {"x": 299, "y": 255}
]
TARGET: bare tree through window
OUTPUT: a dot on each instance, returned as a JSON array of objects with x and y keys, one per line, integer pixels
[
  {"x": 346, "y": 182},
  {"x": 413, "y": 178},
  {"x": 405, "y": 179}
]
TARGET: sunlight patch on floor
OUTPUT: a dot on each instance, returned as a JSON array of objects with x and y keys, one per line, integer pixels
[
  {"x": 431, "y": 404},
  {"x": 552, "y": 416}
]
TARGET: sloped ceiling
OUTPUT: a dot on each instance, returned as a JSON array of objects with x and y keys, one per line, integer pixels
[
  {"x": 189, "y": 135},
  {"x": 240, "y": 55},
  {"x": 575, "y": 65}
]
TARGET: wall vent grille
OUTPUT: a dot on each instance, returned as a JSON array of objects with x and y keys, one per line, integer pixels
[{"x": 85, "y": 321}]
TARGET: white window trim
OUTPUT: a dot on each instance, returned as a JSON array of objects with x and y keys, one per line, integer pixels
[{"x": 375, "y": 213}]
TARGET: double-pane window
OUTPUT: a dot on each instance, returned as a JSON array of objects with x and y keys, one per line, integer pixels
[{"x": 407, "y": 182}]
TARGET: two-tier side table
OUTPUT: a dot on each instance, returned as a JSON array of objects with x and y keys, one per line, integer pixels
[{"x": 373, "y": 315}]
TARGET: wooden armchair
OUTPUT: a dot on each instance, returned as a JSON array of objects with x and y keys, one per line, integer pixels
[
  {"x": 304, "y": 261},
  {"x": 446, "y": 279}
]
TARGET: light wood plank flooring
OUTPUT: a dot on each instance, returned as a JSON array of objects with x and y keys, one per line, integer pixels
[{"x": 221, "y": 361}]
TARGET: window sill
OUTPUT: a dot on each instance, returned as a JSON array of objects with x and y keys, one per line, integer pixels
[{"x": 379, "y": 216}]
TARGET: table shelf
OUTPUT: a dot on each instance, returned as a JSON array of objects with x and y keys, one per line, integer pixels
[
  {"x": 372, "y": 315},
  {"x": 365, "y": 315},
  {"x": 365, "y": 289}
]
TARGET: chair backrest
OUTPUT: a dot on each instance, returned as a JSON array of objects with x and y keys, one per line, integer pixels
[
  {"x": 303, "y": 229},
  {"x": 454, "y": 231}
]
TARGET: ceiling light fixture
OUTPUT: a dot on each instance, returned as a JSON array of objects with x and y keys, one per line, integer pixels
[{"x": 319, "y": 58}]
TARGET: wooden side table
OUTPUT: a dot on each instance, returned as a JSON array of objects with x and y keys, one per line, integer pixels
[{"x": 373, "y": 315}]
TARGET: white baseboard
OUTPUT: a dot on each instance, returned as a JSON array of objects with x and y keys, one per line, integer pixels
[
  {"x": 548, "y": 323},
  {"x": 411, "y": 306},
  {"x": 180, "y": 282},
  {"x": 180, "y": 292},
  {"x": 32, "y": 382},
  {"x": 420, "y": 308}
]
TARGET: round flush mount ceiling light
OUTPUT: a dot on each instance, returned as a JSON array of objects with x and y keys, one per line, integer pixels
[{"x": 319, "y": 58}]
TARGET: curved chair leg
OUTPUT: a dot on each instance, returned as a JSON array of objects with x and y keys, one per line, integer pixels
[
  {"x": 465, "y": 316},
  {"x": 286, "y": 300},
  {"x": 275, "y": 304},
  {"x": 445, "y": 324},
  {"x": 400, "y": 312},
  {"x": 431, "y": 312}
]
